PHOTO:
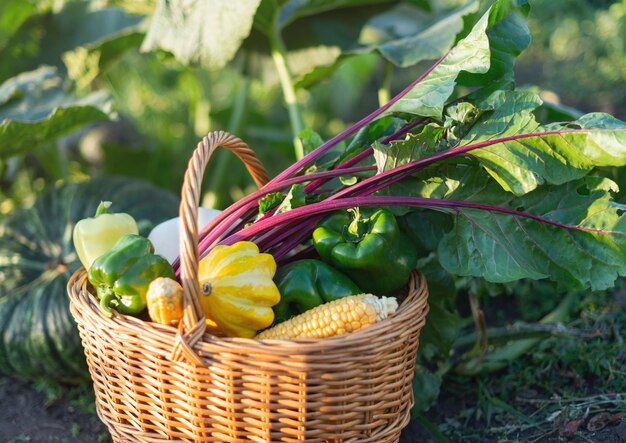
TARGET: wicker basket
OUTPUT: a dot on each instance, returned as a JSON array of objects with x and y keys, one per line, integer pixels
[{"x": 157, "y": 383}]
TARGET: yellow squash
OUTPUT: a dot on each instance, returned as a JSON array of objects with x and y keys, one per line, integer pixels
[
  {"x": 237, "y": 290},
  {"x": 165, "y": 301}
]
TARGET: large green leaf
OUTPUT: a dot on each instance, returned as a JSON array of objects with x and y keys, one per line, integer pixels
[
  {"x": 85, "y": 63},
  {"x": 428, "y": 96},
  {"x": 293, "y": 10},
  {"x": 501, "y": 132},
  {"x": 35, "y": 109},
  {"x": 199, "y": 31},
  {"x": 317, "y": 35},
  {"x": 404, "y": 35},
  {"x": 12, "y": 14},
  {"x": 47, "y": 34},
  {"x": 438, "y": 335},
  {"x": 442, "y": 324},
  {"x": 428, "y": 140},
  {"x": 497, "y": 37},
  {"x": 521, "y": 154},
  {"x": 508, "y": 36},
  {"x": 402, "y": 32},
  {"x": 503, "y": 247},
  {"x": 418, "y": 36},
  {"x": 38, "y": 336},
  {"x": 273, "y": 16}
]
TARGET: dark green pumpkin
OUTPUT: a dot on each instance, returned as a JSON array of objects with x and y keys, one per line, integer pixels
[{"x": 38, "y": 336}]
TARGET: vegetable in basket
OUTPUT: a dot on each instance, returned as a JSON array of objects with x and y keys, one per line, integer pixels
[
  {"x": 122, "y": 275},
  {"x": 371, "y": 250},
  {"x": 165, "y": 236},
  {"x": 238, "y": 292},
  {"x": 165, "y": 301},
  {"x": 305, "y": 284},
  {"x": 96, "y": 235},
  {"x": 338, "y": 317}
]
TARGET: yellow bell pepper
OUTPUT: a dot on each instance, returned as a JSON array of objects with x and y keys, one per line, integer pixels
[
  {"x": 95, "y": 236},
  {"x": 237, "y": 289}
]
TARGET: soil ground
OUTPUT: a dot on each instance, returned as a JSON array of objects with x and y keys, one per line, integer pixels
[{"x": 27, "y": 417}]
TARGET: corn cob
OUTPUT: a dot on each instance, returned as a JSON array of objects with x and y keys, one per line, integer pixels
[
  {"x": 334, "y": 318},
  {"x": 165, "y": 301}
]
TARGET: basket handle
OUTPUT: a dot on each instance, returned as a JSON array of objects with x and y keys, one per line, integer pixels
[{"x": 193, "y": 325}]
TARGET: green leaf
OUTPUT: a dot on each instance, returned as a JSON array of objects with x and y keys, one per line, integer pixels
[
  {"x": 415, "y": 146},
  {"x": 12, "y": 14},
  {"x": 48, "y": 34},
  {"x": 269, "y": 202},
  {"x": 426, "y": 387},
  {"x": 293, "y": 10},
  {"x": 429, "y": 95},
  {"x": 520, "y": 154},
  {"x": 295, "y": 198},
  {"x": 85, "y": 63},
  {"x": 508, "y": 36},
  {"x": 443, "y": 321},
  {"x": 429, "y": 38},
  {"x": 425, "y": 228},
  {"x": 310, "y": 140},
  {"x": 503, "y": 247},
  {"x": 314, "y": 33},
  {"x": 34, "y": 109},
  {"x": 340, "y": 29},
  {"x": 404, "y": 35},
  {"x": 200, "y": 32},
  {"x": 363, "y": 139},
  {"x": 553, "y": 112}
]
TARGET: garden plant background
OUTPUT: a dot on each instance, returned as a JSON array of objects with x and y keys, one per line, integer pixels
[{"x": 102, "y": 89}]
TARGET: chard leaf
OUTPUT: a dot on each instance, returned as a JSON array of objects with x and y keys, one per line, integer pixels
[
  {"x": 498, "y": 37},
  {"x": 504, "y": 247},
  {"x": 404, "y": 34},
  {"x": 508, "y": 36},
  {"x": 428, "y": 37},
  {"x": 425, "y": 229},
  {"x": 521, "y": 154},
  {"x": 34, "y": 109},
  {"x": 428, "y": 96},
  {"x": 269, "y": 202},
  {"x": 443, "y": 321},
  {"x": 295, "y": 198},
  {"x": 310, "y": 140},
  {"x": 200, "y": 32},
  {"x": 415, "y": 146},
  {"x": 426, "y": 387},
  {"x": 439, "y": 333}
]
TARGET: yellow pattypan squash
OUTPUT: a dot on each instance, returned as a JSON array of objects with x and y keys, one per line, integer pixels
[{"x": 237, "y": 289}]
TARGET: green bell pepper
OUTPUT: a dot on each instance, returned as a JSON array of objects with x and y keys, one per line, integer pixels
[
  {"x": 371, "y": 250},
  {"x": 305, "y": 284},
  {"x": 122, "y": 275}
]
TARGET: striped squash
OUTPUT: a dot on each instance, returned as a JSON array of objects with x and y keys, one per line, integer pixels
[{"x": 38, "y": 336}]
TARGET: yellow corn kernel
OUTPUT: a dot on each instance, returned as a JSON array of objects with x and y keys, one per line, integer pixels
[
  {"x": 165, "y": 301},
  {"x": 338, "y": 317}
]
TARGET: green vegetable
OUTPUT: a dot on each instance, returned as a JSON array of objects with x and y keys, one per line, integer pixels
[
  {"x": 370, "y": 250},
  {"x": 305, "y": 284},
  {"x": 38, "y": 336},
  {"x": 122, "y": 275}
]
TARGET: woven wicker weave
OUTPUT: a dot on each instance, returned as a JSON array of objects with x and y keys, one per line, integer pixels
[{"x": 156, "y": 383}]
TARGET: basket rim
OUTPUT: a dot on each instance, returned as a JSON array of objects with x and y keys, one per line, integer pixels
[{"x": 414, "y": 307}]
